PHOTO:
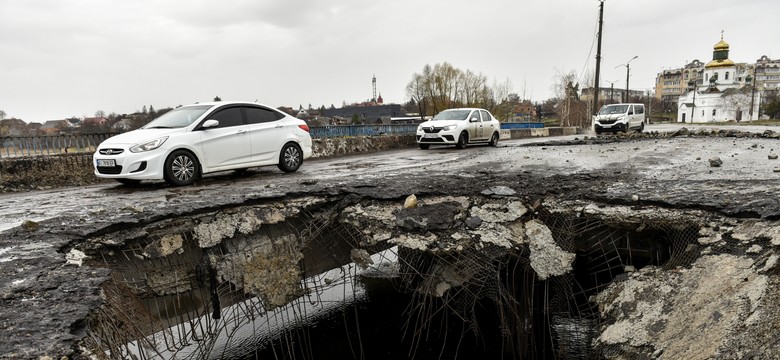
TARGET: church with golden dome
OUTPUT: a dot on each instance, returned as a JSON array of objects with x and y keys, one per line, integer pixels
[{"x": 722, "y": 94}]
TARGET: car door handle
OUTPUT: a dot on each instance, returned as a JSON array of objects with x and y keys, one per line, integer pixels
[
  {"x": 279, "y": 126},
  {"x": 240, "y": 132}
]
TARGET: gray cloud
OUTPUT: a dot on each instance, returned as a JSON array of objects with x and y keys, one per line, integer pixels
[{"x": 72, "y": 57}]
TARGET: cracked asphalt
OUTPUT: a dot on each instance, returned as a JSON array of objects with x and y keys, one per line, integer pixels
[{"x": 39, "y": 312}]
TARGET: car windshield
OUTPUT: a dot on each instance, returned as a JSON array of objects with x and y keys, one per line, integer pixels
[
  {"x": 613, "y": 109},
  {"x": 452, "y": 115},
  {"x": 177, "y": 118}
]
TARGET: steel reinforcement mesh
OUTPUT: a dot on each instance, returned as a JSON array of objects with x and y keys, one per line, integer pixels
[{"x": 192, "y": 315}]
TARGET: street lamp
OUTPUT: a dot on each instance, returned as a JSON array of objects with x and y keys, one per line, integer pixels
[{"x": 628, "y": 71}]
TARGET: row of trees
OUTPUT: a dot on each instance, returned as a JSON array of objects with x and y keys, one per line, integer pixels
[{"x": 443, "y": 86}]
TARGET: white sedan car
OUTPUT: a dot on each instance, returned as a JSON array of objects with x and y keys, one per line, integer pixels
[
  {"x": 192, "y": 140},
  {"x": 459, "y": 127}
]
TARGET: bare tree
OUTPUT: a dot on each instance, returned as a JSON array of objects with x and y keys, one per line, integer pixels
[
  {"x": 443, "y": 86},
  {"x": 2, "y": 115},
  {"x": 572, "y": 110},
  {"x": 739, "y": 103},
  {"x": 415, "y": 90},
  {"x": 501, "y": 105}
]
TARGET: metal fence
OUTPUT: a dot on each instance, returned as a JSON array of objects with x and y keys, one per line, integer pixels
[
  {"x": 327, "y": 131},
  {"x": 22, "y": 146},
  {"x": 522, "y": 125},
  {"x": 26, "y": 146}
]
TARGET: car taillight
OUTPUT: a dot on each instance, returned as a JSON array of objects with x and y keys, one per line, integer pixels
[{"x": 304, "y": 127}]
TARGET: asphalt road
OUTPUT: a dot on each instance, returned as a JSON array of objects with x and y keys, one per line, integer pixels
[{"x": 661, "y": 161}]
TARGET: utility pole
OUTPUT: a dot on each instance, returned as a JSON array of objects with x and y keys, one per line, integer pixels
[
  {"x": 611, "y": 91},
  {"x": 628, "y": 72},
  {"x": 753, "y": 94},
  {"x": 598, "y": 59},
  {"x": 692, "y": 86}
]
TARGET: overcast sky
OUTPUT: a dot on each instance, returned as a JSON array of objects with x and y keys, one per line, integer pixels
[{"x": 62, "y": 58}]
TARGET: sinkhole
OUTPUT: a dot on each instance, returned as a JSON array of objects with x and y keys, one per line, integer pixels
[{"x": 347, "y": 277}]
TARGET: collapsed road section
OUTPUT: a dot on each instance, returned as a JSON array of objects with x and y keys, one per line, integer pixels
[{"x": 603, "y": 263}]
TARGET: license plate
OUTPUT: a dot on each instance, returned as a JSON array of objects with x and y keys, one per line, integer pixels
[
  {"x": 431, "y": 136},
  {"x": 106, "y": 163}
]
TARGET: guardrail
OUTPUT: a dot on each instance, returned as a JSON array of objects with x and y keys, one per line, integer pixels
[
  {"x": 522, "y": 125},
  {"x": 48, "y": 145},
  {"x": 28, "y": 146},
  {"x": 327, "y": 131}
]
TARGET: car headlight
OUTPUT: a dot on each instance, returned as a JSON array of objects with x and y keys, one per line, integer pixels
[
  {"x": 149, "y": 145},
  {"x": 450, "y": 127}
]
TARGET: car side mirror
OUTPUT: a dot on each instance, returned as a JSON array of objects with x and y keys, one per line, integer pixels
[
  {"x": 474, "y": 119},
  {"x": 211, "y": 123},
  {"x": 630, "y": 113}
]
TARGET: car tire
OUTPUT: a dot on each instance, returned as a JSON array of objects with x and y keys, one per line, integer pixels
[
  {"x": 181, "y": 168},
  {"x": 290, "y": 158},
  {"x": 642, "y": 127},
  {"x": 598, "y": 132},
  {"x": 425, "y": 146},
  {"x": 463, "y": 140},
  {"x": 128, "y": 182},
  {"x": 494, "y": 140}
]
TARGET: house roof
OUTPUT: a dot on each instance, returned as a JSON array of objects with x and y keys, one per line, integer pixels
[{"x": 52, "y": 124}]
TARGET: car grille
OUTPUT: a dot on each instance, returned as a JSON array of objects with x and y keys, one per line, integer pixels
[
  {"x": 110, "y": 151},
  {"x": 114, "y": 170},
  {"x": 434, "y": 140},
  {"x": 607, "y": 122},
  {"x": 431, "y": 130}
]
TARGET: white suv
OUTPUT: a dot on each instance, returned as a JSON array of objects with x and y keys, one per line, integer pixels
[{"x": 459, "y": 127}]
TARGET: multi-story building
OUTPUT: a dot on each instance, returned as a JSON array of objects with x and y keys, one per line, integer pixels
[
  {"x": 767, "y": 74},
  {"x": 672, "y": 83}
]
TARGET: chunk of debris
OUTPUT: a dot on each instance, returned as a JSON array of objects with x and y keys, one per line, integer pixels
[
  {"x": 498, "y": 191},
  {"x": 29, "y": 225},
  {"x": 681, "y": 132},
  {"x": 164, "y": 246},
  {"x": 716, "y": 162},
  {"x": 411, "y": 202},
  {"x": 361, "y": 257},
  {"x": 430, "y": 217},
  {"x": 473, "y": 222},
  {"x": 547, "y": 258},
  {"x": 75, "y": 257},
  {"x": 772, "y": 156}
]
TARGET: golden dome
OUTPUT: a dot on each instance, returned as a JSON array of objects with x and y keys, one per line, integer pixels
[
  {"x": 720, "y": 63},
  {"x": 722, "y": 45},
  {"x": 720, "y": 56}
]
